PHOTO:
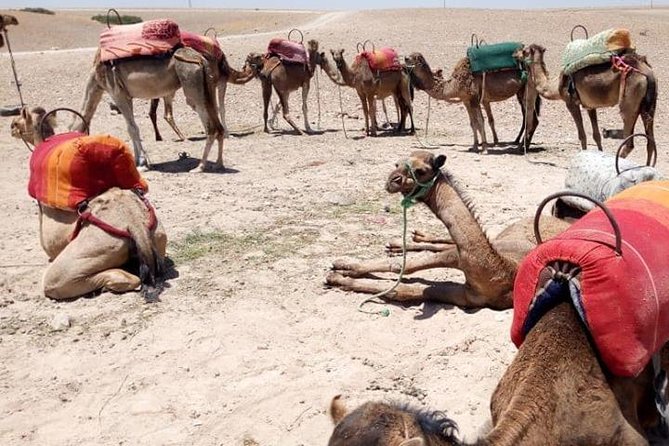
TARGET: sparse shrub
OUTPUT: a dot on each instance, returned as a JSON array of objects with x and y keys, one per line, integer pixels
[
  {"x": 38, "y": 11},
  {"x": 113, "y": 19}
]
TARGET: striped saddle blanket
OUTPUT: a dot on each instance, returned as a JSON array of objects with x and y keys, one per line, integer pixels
[
  {"x": 383, "y": 59},
  {"x": 150, "y": 38},
  {"x": 202, "y": 44},
  {"x": 494, "y": 57},
  {"x": 598, "y": 49},
  {"x": 623, "y": 300},
  {"x": 69, "y": 168},
  {"x": 288, "y": 51}
]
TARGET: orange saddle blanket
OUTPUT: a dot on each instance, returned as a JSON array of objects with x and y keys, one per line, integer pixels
[
  {"x": 150, "y": 38},
  {"x": 384, "y": 59},
  {"x": 69, "y": 168}
]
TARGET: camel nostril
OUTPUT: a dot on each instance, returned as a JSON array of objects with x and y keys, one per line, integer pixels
[{"x": 396, "y": 179}]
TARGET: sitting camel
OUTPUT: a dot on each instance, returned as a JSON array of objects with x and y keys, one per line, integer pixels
[
  {"x": 85, "y": 258},
  {"x": 156, "y": 77},
  {"x": 465, "y": 86},
  {"x": 6, "y": 20},
  {"x": 489, "y": 266},
  {"x": 555, "y": 392},
  {"x": 597, "y": 86},
  {"x": 370, "y": 87},
  {"x": 286, "y": 78}
]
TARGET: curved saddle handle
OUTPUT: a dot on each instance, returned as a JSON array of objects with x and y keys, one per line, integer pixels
[
  {"x": 359, "y": 47},
  {"x": 211, "y": 28},
  {"x": 364, "y": 45},
  {"x": 651, "y": 157},
  {"x": 585, "y": 30},
  {"x": 474, "y": 41},
  {"x": 40, "y": 125},
  {"x": 602, "y": 206},
  {"x": 301, "y": 35},
  {"x": 118, "y": 16}
]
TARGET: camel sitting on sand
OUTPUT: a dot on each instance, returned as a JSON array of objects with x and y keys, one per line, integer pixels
[
  {"x": 597, "y": 86},
  {"x": 465, "y": 86},
  {"x": 370, "y": 87},
  {"x": 156, "y": 77},
  {"x": 489, "y": 265},
  {"x": 94, "y": 258}
]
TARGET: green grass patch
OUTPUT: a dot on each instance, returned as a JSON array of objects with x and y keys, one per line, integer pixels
[
  {"x": 38, "y": 11},
  {"x": 113, "y": 19}
]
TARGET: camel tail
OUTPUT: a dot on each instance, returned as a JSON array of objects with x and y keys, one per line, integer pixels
[
  {"x": 649, "y": 101},
  {"x": 150, "y": 262},
  {"x": 537, "y": 106},
  {"x": 337, "y": 409}
]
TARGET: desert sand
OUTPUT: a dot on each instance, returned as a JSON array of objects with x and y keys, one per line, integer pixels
[{"x": 247, "y": 343}]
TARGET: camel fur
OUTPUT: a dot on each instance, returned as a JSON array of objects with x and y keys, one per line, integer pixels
[
  {"x": 489, "y": 265},
  {"x": 156, "y": 77},
  {"x": 95, "y": 259},
  {"x": 599, "y": 86},
  {"x": 474, "y": 89}
]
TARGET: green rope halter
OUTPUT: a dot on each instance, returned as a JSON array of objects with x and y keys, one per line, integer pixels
[{"x": 419, "y": 189}]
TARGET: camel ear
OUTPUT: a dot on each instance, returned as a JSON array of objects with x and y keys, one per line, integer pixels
[
  {"x": 440, "y": 72},
  {"x": 415, "y": 441},
  {"x": 25, "y": 113},
  {"x": 438, "y": 162},
  {"x": 322, "y": 54},
  {"x": 332, "y": 52}
]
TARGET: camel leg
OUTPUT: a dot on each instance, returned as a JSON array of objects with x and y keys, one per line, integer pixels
[
  {"x": 473, "y": 122},
  {"x": 491, "y": 122},
  {"x": 222, "y": 89},
  {"x": 521, "y": 100},
  {"x": 530, "y": 118},
  {"x": 404, "y": 98},
  {"x": 124, "y": 103},
  {"x": 401, "y": 123},
  {"x": 92, "y": 97},
  {"x": 371, "y": 105},
  {"x": 266, "y": 96},
  {"x": 444, "y": 259},
  {"x": 395, "y": 247},
  {"x": 169, "y": 116},
  {"x": 596, "y": 135},
  {"x": 305, "y": 108},
  {"x": 283, "y": 99},
  {"x": 575, "y": 111},
  {"x": 648, "y": 127},
  {"x": 153, "y": 117},
  {"x": 365, "y": 111},
  {"x": 385, "y": 112}
]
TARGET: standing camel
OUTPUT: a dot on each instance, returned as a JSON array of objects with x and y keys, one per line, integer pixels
[
  {"x": 156, "y": 77},
  {"x": 93, "y": 258},
  {"x": 489, "y": 266},
  {"x": 371, "y": 86},
  {"x": 555, "y": 392},
  {"x": 286, "y": 78},
  {"x": 468, "y": 87},
  {"x": 597, "y": 86}
]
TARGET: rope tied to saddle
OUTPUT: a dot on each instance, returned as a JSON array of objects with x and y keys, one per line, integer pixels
[{"x": 619, "y": 64}]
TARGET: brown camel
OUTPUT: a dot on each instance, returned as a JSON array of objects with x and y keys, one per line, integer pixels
[
  {"x": 94, "y": 259},
  {"x": 468, "y": 87},
  {"x": 224, "y": 74},
  {"x": 370, "y": 86},
  {"x": 286, "y": 78},
  {"x": 150, "y": 78},
  {"x": 555, "y": 392},
  {"x": 6, "y": 20},
  {"x": 489, "y": 266},
  {"x": 599, "y": 86}
]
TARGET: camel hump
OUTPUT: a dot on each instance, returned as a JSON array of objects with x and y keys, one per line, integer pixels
[
  {"x": 150, "y": 38},
  {"x": 337, "y": 409},
  {"x": 288, "y": 51}
]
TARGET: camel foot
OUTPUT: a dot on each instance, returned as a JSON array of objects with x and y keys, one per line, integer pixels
[
  {"x": 337, "y": 280},
  {"x": 202, "y": 167},
  {"x": 219, "y": 167},
  {"x": 394, "y": 248},
  {"x": 346, "y": 268},
  {"x": 143, "y": 168},
  {"x": 266, "y": 130}
]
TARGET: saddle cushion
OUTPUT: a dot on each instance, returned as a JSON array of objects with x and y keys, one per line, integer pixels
[
  {"x": 495, "y": 57},
  {"x": 69, "y": 168},
  {"x": 598, "y": 49},
  {"x": 150, "y": 38},
  {"x": 383, "y": 59},
  {"x": 623, "y": 300},
  {"x": 288, "y": 51},
  {"x": 202, "y": 44}
]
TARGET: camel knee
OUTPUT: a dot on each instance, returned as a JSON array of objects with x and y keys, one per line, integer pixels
[{"x": 117, "y": 281}]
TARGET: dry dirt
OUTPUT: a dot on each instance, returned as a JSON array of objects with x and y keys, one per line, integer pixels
[{"x": 247, "y": 343}]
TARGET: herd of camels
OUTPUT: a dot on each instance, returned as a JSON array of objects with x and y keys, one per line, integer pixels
[{"x": 555, "y": 392}]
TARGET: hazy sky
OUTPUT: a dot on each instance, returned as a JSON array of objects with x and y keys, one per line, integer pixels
[{"x": 332, "y": 4}]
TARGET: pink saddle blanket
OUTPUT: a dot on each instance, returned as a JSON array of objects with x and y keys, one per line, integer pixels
[
  {"x": 202, "y": 44},
  {"x": 150, "y": 38},
  {"x": 384, "y": 59},
  {"x": 288, "y": 51}
]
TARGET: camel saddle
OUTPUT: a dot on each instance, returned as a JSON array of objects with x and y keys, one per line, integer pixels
[
  {"x": 622, "y": 298},
  {"x": 150, "y": 38},
  {"x": 383, "y": 59},
  {"x": 494, "y": 57},
  {"x": 288, "y": 51},
  {"x": 598, "y": 49},
  {"x": 202, "y": 44},
  {"x": 69, "y": 168}
]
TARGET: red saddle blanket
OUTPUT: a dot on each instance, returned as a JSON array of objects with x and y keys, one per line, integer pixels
[
  {"x": 384, "y": 59},
  {"x": 150, "y": 38},
  {"x": 69, "y": 168},
  {"x": 288, "y": 51},
  {"x": 622, "y": 299},
  {"x": 202, "y": 44}
]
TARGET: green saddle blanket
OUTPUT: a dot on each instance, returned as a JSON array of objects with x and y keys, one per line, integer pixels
[
  {"x": 498, "y": 56},
  {"x": 596, "y": 50}
]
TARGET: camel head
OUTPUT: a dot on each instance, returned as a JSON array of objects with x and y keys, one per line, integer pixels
[
  {"x": 338, "y": 57},
  {"x": 255, "y": 61},
  {"x": 4, "y": 21},
  {"x": 420, "y": 169},
  {"x": 24, "y": 126},
  {"x": 530, "y": 54},
  {"x": 418, "y": 67},
  {"x": 316, "y": 57}
]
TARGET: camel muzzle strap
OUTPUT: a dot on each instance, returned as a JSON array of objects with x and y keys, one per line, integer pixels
[{"x": 420, "y": 190}]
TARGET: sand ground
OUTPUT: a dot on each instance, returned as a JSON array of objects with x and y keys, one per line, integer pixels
[{"x": 247, "y": 343}]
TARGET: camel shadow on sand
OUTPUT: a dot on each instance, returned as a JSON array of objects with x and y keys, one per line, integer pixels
[{"x": 186, "y": 163}]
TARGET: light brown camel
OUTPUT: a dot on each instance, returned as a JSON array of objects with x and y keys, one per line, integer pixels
[
  {"x": 489, "y": 266},
  {"x": 371, "y": 86},
  {"x": 159, "y": 77},
  {"x": 599, "y": 86},
  {"x": 468, "y": 87},
  {"x": 554, "y": 393},
  {"x": 94, "y": 259},
  {"x": 286, "y": 78},
  {"x": 223, "y": 74},
  {"x": 6, "y": 20}
]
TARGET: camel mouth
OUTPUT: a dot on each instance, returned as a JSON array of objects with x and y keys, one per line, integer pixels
[{"x": 394, "y": 184}]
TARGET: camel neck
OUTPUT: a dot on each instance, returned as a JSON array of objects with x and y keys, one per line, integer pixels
[
  {"x": 539, "y": 77},
  {"x": 346, "y": 74}
]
